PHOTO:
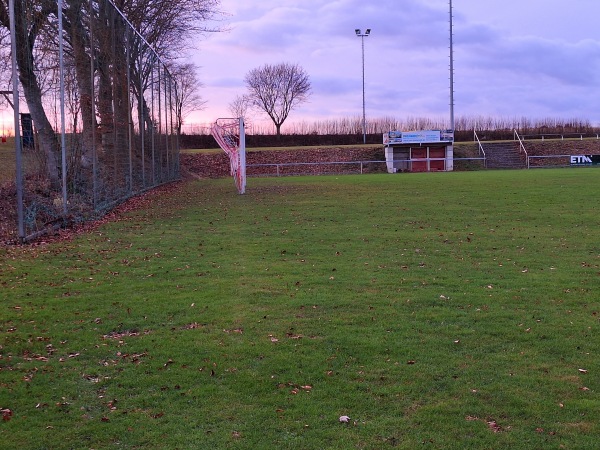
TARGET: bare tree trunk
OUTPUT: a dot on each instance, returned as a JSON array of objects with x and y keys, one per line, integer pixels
[
  {"x": 79, "y": 37},
  {"x": 31, "y": 88},
  {"x": 121, "y": 99},
  {"x": 113, "y": 104},
  {"x": 105, "y": 93},
  {"x": 147, "y": 117}
]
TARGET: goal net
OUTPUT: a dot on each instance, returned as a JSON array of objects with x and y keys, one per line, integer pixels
[{"x": 230, "y": 135}]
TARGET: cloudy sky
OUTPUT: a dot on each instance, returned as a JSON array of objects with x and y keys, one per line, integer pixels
[{"x": 512, "y": 58}]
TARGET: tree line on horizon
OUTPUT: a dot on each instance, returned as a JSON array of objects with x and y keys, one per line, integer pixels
[{"x": 487, "y": 127}]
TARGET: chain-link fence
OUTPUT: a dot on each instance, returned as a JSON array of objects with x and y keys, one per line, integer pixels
[{"x": 95, "y": 114}]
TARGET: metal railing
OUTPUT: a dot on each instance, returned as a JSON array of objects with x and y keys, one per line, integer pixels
[
  {"x": 481, "y": 150},
  {"x": 541, "y": 161},
  {"x": 521, "y": 147},
  {"x": 555, "y": 161},
  {"x": 361, "y": 167},
  {"x": 278, "y": 167},
  {"x": 561, "y": 136}
]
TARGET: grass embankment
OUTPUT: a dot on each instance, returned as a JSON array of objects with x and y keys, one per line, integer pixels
[{"x": 451, "y": 310}]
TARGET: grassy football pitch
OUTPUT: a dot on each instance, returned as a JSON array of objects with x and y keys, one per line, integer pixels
[{"x": 446, "y": 310}]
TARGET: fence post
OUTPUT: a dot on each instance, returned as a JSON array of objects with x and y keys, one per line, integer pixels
[
  {"x": 93, "y": 111},
  {"x": 63, "y": 143},
  {"x": 129, "y": 118},
  {"x": 18, "y": 143}
]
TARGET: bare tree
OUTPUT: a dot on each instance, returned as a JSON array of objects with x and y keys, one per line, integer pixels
[
  {"x": 188, "y": 97},
  {"x": 277, "y": 89},
  {"x": 239, "y": 108}
]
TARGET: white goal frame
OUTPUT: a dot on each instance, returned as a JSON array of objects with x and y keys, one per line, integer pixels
[{"x": 231, "y": 137}]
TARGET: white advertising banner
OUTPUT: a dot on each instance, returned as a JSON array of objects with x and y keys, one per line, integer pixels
[{"x": 417, "y": 137}]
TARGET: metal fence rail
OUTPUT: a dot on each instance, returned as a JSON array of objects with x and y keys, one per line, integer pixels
[
  {"x": 560, "y": 136},
  {"x": 332, "y": 167},
  {"x": 315, "y": 168},
  {"x": 101, "y": 105},
  {"x": 549, "y": 161}
]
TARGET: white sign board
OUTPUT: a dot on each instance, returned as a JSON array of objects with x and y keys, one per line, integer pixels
[{"x": 417, "y": 137}]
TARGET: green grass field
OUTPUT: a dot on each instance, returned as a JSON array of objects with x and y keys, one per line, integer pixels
[{"x": 446, "y": 310}]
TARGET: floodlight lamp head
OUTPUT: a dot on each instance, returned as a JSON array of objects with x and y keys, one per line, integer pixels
[
  {"x": 357, "y": 31},
  {"x": 368, "y": 32}
]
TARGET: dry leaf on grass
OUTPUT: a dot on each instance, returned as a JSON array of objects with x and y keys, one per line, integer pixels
[{"x": 6, "y": 414}]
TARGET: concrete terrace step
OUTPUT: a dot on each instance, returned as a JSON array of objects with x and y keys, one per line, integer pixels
[{"x": 504, "y": 155}]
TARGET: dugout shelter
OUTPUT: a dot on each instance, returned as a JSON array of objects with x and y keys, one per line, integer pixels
[{"x": 419, "y": 151}]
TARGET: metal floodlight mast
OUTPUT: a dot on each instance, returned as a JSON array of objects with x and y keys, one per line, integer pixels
[
  {"x": 362, "y": 37},
  {"x": 451, "y": 71}
]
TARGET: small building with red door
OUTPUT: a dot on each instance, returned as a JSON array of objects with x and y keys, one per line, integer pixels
[{"x": 419, "y": 151}]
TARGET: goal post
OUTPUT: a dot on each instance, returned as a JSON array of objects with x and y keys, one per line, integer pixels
[{"x": 231, "y": 137}]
